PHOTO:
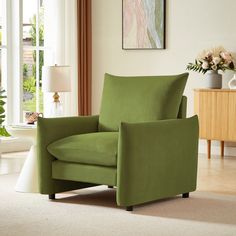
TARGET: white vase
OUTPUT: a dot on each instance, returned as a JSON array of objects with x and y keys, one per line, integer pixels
[
  {"x": 232, "y": 82},
  {"x": 213, "y": 79}
]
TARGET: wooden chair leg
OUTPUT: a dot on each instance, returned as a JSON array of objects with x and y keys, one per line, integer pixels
[
  {"x": 222, "y": 147},
  {"x": 209, "y": 149}
]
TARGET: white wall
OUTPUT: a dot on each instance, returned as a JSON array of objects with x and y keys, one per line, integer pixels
[{"x": 191, "y": 26}]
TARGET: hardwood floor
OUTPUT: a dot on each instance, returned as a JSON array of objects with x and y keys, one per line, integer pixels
[
  {"x": 214, "y": 175},
  {"x": 217, "y": 175}
]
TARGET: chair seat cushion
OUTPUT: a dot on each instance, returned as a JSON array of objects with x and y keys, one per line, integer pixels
[{"x": 94, "y": 148}]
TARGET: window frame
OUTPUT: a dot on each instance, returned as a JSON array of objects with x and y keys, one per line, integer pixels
[
  {"x": 6, "y": 83},
  {"x": 37, "y": 48},
  {"x": 4, "y": 46},
  {"x": 14, "y": 47}
]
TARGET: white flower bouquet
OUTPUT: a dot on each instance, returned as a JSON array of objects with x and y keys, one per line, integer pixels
[{"x": 213, "y": 60}]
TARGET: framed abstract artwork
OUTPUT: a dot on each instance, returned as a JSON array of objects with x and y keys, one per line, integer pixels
[{"x": 143, "y": 24}]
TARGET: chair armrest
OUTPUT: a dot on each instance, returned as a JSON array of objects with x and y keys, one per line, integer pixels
[
  {"x": 50, "y": 130},
  {"x": 156, "y": 160}
]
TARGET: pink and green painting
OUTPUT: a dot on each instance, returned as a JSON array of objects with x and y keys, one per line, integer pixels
[{"x": 143, "y": 24}]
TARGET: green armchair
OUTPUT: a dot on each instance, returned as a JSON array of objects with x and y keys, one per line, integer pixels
[{"x": 141, "y": 143}]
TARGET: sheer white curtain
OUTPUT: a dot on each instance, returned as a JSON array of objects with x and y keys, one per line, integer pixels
[{"x": 61, "y": 48}]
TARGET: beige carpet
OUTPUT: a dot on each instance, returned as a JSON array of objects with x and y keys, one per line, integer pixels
[{"x": 94, "y": 212}]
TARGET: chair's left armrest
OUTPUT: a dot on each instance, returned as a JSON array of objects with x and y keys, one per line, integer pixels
[
  {"x": 156, "y": 160},
  {"x": 50, "y": 130}
]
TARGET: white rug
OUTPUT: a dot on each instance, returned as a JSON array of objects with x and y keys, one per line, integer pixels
[{"x": 94, "y": 212}]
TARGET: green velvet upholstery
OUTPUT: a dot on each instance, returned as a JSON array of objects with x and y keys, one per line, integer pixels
[
  {"x": 50, "y": 130},
  {"x": 156, "y": 160},
  {"x": 94, "y": 148},
  {"x": 152, "y": 154},
  {"x": 183, "y": 108},
  {"x": 84, "y": 173},
  {"x": 140, "y": 98}
]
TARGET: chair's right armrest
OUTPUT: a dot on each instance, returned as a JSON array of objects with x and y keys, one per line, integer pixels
[
  {"x": 156, "y": 160},
  {"x": 50, "y": 130}
]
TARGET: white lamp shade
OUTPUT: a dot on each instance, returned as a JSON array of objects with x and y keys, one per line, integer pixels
[{"x": 56, "y": 79}]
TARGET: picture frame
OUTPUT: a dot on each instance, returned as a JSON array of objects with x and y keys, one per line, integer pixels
[{"x": 143, "y": 24}]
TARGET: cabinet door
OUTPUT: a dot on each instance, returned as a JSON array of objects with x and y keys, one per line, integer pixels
[
  {"x": 205, "y": 114},
  {"x": 220, "y": 122},
  {"x": 212, "y": 108},
  {"x": 232, "y": 117},
  {"x": 202, "y": 107}
]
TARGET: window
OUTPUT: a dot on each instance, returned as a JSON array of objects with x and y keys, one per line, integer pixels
[
  {"x": 3, "y": 44},
  {"x": 32, "y": 55},
  {"x": 25, "y": 44}
]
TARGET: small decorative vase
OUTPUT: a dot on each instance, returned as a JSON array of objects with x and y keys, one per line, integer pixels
[
  {"x": 232, "y": 82},
  {"x": 213, "y": 80}
]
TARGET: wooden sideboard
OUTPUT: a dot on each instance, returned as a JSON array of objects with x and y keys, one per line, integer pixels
[{"x": 216, "y": 109}]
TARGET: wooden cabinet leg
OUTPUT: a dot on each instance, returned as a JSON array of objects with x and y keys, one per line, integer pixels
[
  {"x": 209, "y": 149},
  {"x": 222, "y": 147}
]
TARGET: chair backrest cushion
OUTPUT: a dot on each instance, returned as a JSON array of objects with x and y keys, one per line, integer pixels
[{"x": 140, "y": 98}]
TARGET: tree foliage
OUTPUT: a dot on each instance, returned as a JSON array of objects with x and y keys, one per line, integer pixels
[
  {"x": 29, "y": 85},
  {"x": 41, "y": 40}
]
